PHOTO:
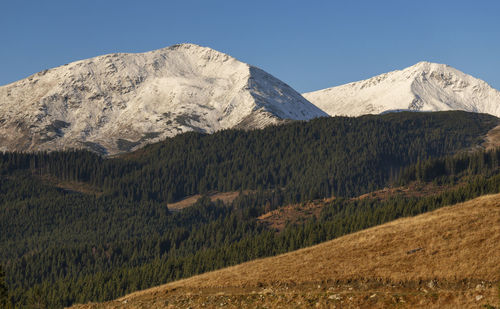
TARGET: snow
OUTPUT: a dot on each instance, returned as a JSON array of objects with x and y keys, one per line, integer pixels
[
  {"x": 423, "y": 87},
  {"x": 101, "y": 102}
]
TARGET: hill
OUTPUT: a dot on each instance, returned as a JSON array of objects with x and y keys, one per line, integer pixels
[
  {"x": 424, "y": 86},
  {"x": 79, "y": 227},
  {"x": 447, "y": 258},
  {"x": 119, "y": 102}
]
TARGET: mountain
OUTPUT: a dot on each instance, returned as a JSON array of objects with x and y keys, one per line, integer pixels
[
  {"x": 119, "y": 102},
  {"x": 423, "y": 87},
  {"x": 448, "y": 258}
]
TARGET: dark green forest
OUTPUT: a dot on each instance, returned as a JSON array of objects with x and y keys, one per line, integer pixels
[
  {"x": 60, "y": 246},
  {"x": 341, "y": 155}
]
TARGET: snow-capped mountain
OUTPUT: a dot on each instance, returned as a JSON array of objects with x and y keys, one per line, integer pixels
[
  {"x": 423, "y": 87},
  {"x": 119, "y": 102}
]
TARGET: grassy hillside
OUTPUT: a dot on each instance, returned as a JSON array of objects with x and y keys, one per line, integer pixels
[{"x": 447, "y": 258}]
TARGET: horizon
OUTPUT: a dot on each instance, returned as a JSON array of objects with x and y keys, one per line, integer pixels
[{"x": 308, "y": 46}]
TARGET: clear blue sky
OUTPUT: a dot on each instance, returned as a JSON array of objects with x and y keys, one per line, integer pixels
[{"x": 308, "y": 44}]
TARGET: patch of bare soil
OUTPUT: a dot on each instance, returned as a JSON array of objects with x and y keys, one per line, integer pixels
[
  {"x": 291, "y": 214},
  {"x": 225, "y": 197}
]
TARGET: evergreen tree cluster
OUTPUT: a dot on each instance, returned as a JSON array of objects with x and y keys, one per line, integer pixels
[
  {"x": 449, "y": 168},
  {"x": 232, "y": 238},
  {"x": 339, "y": 156}
]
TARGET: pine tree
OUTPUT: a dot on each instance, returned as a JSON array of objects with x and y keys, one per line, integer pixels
[{"x": 3, "y": 289}]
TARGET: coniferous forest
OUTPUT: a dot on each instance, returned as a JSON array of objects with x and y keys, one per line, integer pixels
[{"x": 110, "y": 231}]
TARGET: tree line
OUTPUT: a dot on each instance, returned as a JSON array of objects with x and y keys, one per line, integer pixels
[{"x": 339, "y": 156}]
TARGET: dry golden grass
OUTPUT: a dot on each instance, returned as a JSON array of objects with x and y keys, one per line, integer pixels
[
  {"x": 448, "y": 258},
  {"x": 278, "y": 218},
  {"x": 225, "y": 197}
]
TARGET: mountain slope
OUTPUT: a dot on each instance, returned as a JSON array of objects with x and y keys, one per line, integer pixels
[
  {"x": 447, "y": 258},
  {"x": 57, "y": 207},
  {"x": 119, "y": 102},
  {"x": 423, "y": 87}
]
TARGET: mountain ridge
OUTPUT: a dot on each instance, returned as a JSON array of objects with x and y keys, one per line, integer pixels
[
  {"x": 119, "y": 102},
  {"x": 425, "y": 86}
]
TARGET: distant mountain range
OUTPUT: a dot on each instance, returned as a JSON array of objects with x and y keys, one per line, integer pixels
[
  {"x": 423, "y": 87},
  {"x": 120, "y": 102}
]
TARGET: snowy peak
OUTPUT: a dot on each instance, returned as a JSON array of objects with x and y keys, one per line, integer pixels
[
  {"x": 424, "y": 86},
  {"x": 429, "y": 66},
  {"x": 119, "y": 102},
  {"x": 205, "y": 53}
]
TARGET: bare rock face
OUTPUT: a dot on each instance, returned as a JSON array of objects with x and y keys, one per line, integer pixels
[
  {"x": 423, "y": 87},
  {"x": 120, "y": 102}
]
